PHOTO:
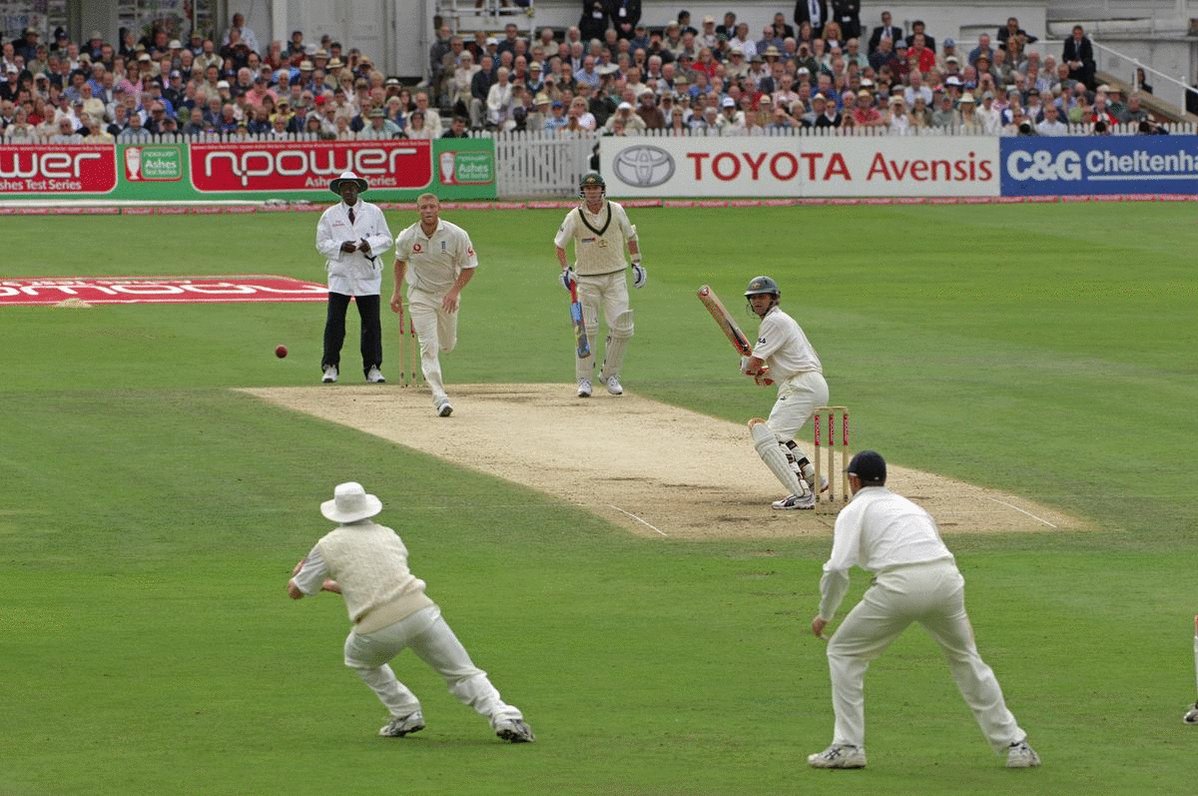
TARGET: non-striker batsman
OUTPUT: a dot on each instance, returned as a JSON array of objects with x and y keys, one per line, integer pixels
[{"x": 601, "y": 231}]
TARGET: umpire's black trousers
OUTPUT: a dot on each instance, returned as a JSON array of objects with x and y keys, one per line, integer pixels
[{"x": 334, "y": 331}]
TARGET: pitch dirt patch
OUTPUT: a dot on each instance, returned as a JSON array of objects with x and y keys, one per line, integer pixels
[{"x": 655, "y": 469}]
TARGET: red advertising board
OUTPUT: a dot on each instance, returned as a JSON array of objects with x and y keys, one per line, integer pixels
[
  {"x": 53, "y": 290},
  {"x": 308, "y": 165},
  {"x": 47, "y": 168}
]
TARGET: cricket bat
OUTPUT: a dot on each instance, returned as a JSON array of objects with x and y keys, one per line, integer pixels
[
  {"x": 723, "y": 319},
  {"x": 580, "y": 329}
]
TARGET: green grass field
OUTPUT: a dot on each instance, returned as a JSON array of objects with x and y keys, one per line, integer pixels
[{"x": 149, "y": 516}]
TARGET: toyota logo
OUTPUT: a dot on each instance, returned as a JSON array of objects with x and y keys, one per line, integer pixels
[{"x": 644, "y": 166}]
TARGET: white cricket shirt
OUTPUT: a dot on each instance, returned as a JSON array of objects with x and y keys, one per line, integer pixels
[
  {"x": 599, "y": 238},
  {"x": 435, "y": 261},
  {"x": 782, "y": 345},
  {"x": 877, "y": 530}
]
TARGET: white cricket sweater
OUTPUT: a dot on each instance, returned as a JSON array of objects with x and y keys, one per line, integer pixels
[{"x": 370, "y": 563}]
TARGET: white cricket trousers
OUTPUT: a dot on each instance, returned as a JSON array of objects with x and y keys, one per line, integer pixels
[
  {"x": 433, "y": 641},
  {"x": 798, "y": 398},
  {"x": 605, "y": 296},
  {"x": 437, "y": 331},
  {"x": 932, "y": 594}
]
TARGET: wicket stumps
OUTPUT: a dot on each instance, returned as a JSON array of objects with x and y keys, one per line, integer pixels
[
  {"x": 410, "y": 374},
  {"x": 826, "y": 446}
]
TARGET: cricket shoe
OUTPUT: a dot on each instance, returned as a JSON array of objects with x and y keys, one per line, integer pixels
[
  {"x": 375, "y": 376},
  {"x": 838, "y": 755},
  {"x": 1020, "y": 755},
  {"x": 515, "y": 731},
  {"x": 584, "y": 388},
  {"x": 399, "y": 726},
  {"x": 795, "y": 503},
  {"x": 444, "y": 408},
  {"x": 614, "y": 387},
  {"x": 330, "y": 374},
  {"x": 1191, "y": 716}
]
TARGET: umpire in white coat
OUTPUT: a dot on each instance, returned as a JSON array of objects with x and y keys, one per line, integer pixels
[{"x": 352, "y": 235}]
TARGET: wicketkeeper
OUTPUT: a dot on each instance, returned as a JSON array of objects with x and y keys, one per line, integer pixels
[
  {"x": 784, "y": 350},
  {"x": 600, "y": 230}
]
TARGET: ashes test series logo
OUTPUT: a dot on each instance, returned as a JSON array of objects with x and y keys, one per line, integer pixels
[{"x": 644, "y": 166}]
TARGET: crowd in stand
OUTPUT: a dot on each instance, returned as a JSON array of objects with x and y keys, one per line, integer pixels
[
  {"x": 613, "y": 74},
  {"x": 137, "y": 88},
  {"x": 609, "y": 74}
]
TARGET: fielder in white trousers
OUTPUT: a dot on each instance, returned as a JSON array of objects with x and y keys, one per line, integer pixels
[
  {"x": 916, "y": 580},
  {"x": 433, "y": 641},
  {"x": 367, "y": 564}
]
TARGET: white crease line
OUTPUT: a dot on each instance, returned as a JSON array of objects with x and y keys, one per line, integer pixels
[
  {"x": 1021, "y": 511},
  {"x": 638, "y": 519}
]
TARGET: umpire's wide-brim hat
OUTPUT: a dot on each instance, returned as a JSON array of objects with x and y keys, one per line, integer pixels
[
  {"x": 350, "y": 503},
  {"x": 347, "y": 176}
]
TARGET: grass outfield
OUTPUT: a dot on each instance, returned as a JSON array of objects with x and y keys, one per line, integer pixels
[{"x": 149, "y": 516}]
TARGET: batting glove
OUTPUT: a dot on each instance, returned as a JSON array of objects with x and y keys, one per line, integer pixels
[
  {"x": 639, "y": 275},
  {"x": 567, "y": 277}
]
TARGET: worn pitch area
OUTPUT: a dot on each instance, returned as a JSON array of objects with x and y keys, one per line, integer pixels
[{"x": 652, "y": 468}]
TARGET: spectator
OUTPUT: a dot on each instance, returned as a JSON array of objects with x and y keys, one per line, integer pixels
[
  {"x": 594, "y": 20},
  {"x": 971, "y": 123},
  {"x": 813, "y": 13},
  {"x": 195, "y": 123},
  {"x": 20, "y": 131},
  {"x": 920, "y": 115},
  {"x": 731, "y": 119},
  {"x": 1012, "y": 29},
  {"x": 239, "y": 32},
  {"x": 918, "y": 29},
  {"x": 989, "y": 116},
  {"x": 134, "y": 132},
  {"x": 1133, "y": 113},
  {"x": 1052, "y": 124},
  {"x": 1141, "y": 82},
  {"x": 650, "y": 114},
  {"x": 457, "y": 128},
  {"x": 480, "y": 87},
  {"x": 499, "y": 102},
  {"x": 887, "y": 30},
  {"x": 1078, "y": 55},
  {"x": 865, "y": 113},
  {"x": 897, "y": 120},
  {"x": 557, "y": 120},
  {"x": 945, "y": 115},
  {"x": 417, "y": 129}
]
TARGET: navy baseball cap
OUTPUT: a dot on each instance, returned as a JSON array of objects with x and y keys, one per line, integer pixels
[{"x": 869, "y": 466}]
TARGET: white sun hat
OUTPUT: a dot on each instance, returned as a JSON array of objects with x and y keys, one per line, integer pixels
[{"x": 350, "y": 503}]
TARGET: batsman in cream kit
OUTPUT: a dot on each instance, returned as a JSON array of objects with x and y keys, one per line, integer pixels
[{"x": 600, "y": 230}]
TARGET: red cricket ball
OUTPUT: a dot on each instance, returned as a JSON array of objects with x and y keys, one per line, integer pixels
[{"x": 280, "y": 351}]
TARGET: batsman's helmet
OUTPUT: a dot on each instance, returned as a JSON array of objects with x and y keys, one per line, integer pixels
[
  {"x": 762, "y": 284},
  {"x": 591, "y": 178}
]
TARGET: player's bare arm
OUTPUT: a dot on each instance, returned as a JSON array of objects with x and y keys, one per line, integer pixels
[
  {"x": 401, "y": 268},
  {"x": 450, "y": 302}
]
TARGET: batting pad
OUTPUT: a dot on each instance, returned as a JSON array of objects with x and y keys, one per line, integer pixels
[
  {"x": 616, "y": 345},
  {"x": 774, "y": 455}
]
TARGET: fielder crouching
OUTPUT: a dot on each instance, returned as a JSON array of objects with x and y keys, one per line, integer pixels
[
  {"x": 600, "y": 230},
  {"x": 783, "y": 351}
]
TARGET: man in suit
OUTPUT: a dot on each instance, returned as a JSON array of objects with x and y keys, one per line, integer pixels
[
  {"x": 813, "y": 11},
  {"x": 848, "y": 14},
  {"x": 887, "y": 30},
  {"x": 1079, "y": 56}
]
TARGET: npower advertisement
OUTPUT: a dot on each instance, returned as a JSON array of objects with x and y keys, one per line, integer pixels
[
  {"x": 396, "y": 170},
  {"x": 788, "y": 166}
]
